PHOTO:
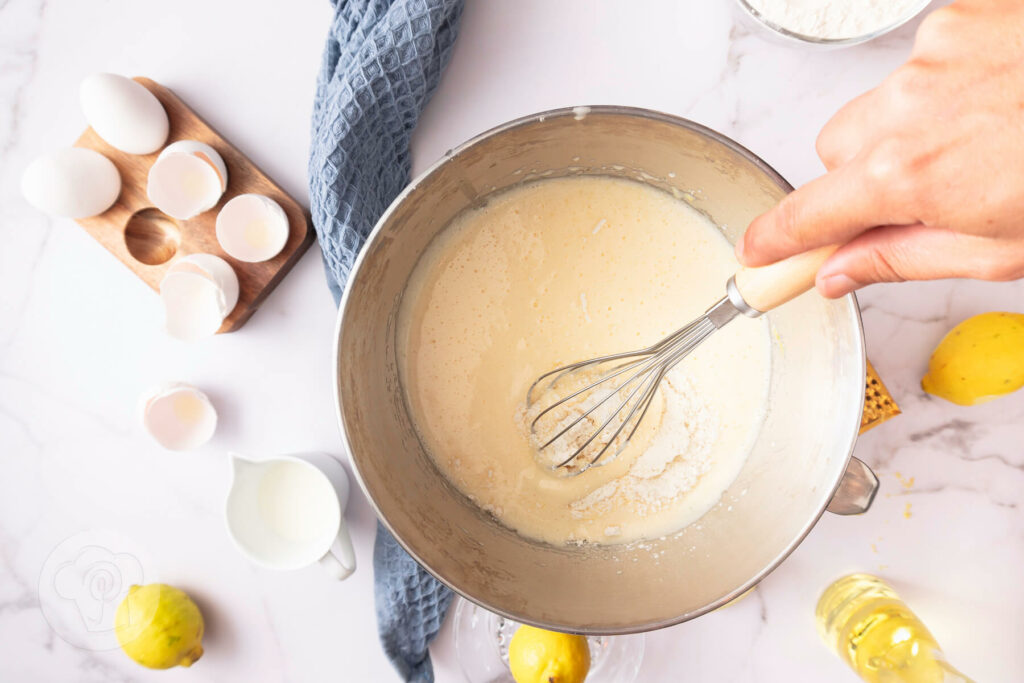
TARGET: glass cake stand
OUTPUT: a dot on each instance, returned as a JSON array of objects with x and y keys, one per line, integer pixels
[{"x": 482, "y": 638}]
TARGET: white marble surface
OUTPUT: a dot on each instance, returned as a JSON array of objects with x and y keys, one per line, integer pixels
[{"x": 80, "y": 338}]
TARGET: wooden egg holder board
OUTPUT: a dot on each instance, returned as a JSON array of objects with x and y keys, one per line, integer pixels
[{"x": 149, "y": 241}]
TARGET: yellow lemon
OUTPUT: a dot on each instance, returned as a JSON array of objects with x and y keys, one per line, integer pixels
[
  {"x": 980, "y": 359},
  {"x": 539, "y": 656},
  {"x": 159, "y": 626}
]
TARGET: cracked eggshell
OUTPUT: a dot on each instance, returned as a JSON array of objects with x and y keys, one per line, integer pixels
[
  {"x": 202, "y": 151},
  {"x": 218, "y": 270},
  {"x": 187, "y": 179},
  {"x": 73, "y": 182},
  {"x": 124, "y": 113},
  {"x": 252, "y": 228},
  {"x": 178, "y": 416},
  {"x": 192, "y": 305},
  {"x": 198, "y": 292}
]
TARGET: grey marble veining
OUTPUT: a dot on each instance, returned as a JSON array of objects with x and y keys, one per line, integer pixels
[{"x": 80, "y": 340}]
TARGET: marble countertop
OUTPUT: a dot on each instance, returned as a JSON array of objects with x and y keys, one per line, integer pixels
[{"x": 81, "y": 338}]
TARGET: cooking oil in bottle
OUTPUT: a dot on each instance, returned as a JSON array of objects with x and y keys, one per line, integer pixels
[{"x": 871, "y": 629}]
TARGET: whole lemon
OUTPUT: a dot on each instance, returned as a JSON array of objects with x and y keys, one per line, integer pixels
[
  {"x": 539, "y": 656},
  {"x": 980, "y": 359},
  {"x": 159, "y": 626}
]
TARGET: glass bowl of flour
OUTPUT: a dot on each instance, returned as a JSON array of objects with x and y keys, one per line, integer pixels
[{"x": 832, "y": 23}]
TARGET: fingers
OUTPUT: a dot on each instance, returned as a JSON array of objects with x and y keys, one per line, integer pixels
[
  {"x": 831, "y": 209},
  {"x": 848, "y": 132},
  {"x": 915, "y": 252}
]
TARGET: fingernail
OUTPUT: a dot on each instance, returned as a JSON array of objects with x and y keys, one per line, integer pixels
[
  {"x": 739, "y": 250},
  {"x": 837, "y": 285}
]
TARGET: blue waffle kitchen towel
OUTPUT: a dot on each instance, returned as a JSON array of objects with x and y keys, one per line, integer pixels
[{"x": 382, "y": 61}]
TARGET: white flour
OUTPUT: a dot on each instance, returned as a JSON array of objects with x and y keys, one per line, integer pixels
[
  {"x": 671, "y": 464},
  {"x": 834, "y": 18}
]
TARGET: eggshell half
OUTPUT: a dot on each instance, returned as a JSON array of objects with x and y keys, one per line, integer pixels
[
  {"x": 192, "y": 304},
  {"x": 252, "y": 228},
  {"x": 178, "y": 416},
  {"x": 73, "y": 182},
  {"x": 124, "y": 113},
  {"x": 187, "y": 179},
  {"x": 198, "y": 292},
  {"x": 200, "y": 150},
  {"x": 216, "y": 269}
]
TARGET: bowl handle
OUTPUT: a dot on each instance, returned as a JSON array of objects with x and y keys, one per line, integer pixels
[{"x": 856, "y": 491}]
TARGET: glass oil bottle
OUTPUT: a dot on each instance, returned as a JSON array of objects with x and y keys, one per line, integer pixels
[{"x": 863, "y": 620}]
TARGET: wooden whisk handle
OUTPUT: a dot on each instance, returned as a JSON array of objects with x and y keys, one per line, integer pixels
[{"x": 766, "y": 287}]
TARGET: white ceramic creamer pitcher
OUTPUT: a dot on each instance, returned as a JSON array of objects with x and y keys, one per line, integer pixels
[{"x": 286, "y": 512}]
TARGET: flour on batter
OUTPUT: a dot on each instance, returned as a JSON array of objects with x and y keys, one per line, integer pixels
[{"x": 552, "y": 272}]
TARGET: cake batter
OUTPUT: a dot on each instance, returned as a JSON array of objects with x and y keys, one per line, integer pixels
[{"x": 557, "y": 271}]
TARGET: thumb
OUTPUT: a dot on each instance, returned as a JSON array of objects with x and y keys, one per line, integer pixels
[
  {"x": 896, "y": 253},
  {"x": 831, "y": 209}
]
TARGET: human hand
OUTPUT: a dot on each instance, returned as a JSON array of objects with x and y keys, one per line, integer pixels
[{"x": 925, "y": 172}]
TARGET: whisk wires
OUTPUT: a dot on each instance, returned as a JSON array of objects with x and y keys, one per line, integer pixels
[{"x": 617, "y": 391}]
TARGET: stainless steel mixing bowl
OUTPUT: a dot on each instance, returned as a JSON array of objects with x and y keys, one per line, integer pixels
[{"x": 791, "y": 475}]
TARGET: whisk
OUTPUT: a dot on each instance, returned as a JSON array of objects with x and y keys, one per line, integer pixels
[{"x": 592, "y": 405}]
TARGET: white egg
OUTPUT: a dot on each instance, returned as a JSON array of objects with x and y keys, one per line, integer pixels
[
  {"x": 198, "y": 292},
  {"x": 179, "y": 416},
  {"x": 73, "y": 182},
  {"x": 187, "y": 178},
  {"x": 252, "y": 228},
  {"x": 124, "y": 113}
]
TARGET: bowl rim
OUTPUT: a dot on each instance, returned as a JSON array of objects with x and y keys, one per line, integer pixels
[
  {"x": 804, "y": 39},
  {"x": 850, "y": 300}
]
